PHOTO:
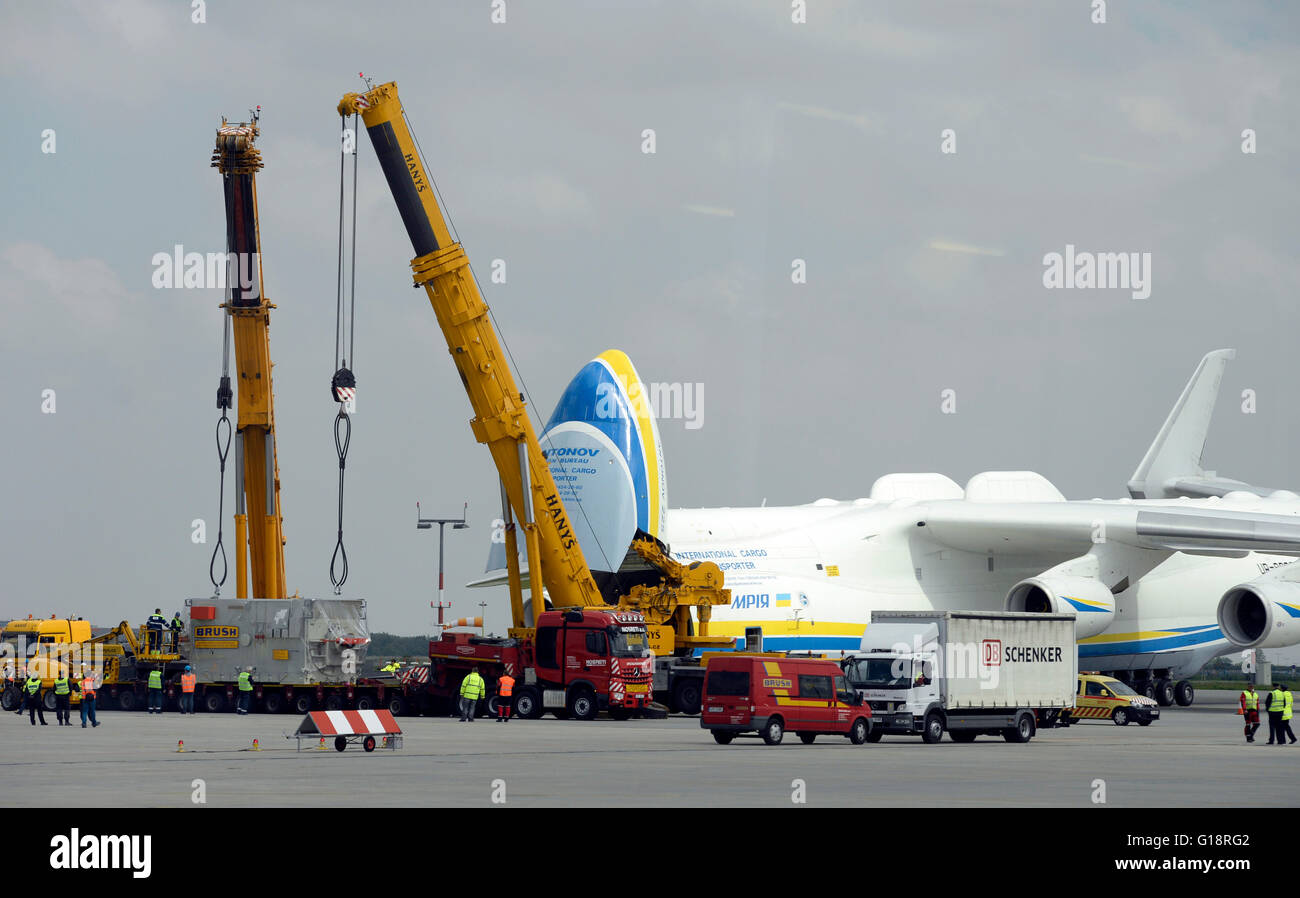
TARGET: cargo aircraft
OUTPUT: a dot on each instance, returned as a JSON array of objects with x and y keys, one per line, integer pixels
[{"x": 1188, "y": 567}]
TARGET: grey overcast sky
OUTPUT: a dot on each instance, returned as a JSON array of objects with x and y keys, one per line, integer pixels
[{"x": 775, "y": 141}]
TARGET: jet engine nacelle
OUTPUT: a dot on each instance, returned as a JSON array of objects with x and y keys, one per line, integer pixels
[
  {"x": 1088, "y": 599},
  {"x": 1261, "y": 614}
]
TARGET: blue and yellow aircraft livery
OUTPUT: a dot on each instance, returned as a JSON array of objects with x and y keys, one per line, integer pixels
[{"x": 602, "y": 444}]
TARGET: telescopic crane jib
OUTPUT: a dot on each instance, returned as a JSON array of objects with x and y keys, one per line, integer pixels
[
  {"x": 259, "y": 531},
  {"x": 501, "y": 420}
]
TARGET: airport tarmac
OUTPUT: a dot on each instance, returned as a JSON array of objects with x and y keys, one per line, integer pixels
[{"x": 1192, "y": 757}]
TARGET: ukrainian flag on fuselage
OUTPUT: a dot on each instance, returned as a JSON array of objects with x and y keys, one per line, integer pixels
[{"x": 602, "y": 445}]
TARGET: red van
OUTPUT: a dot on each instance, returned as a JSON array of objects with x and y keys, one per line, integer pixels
[{"x": 768, "y": 696}]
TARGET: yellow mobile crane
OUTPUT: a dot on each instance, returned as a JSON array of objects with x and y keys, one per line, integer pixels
[
  {"x": 501, "y": 421},
  {"x": 259, "y": 536}
]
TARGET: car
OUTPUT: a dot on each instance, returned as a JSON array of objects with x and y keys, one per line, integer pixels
[
  {"x": 1101, "y": 698},
  {"x": 770, "y": 695}
]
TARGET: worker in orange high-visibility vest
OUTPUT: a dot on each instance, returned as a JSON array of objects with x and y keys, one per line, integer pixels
[
  {"x": 88, "y": 685},
  {"x": 187, "y": 690},
  {"x": 505, "y": 691}
]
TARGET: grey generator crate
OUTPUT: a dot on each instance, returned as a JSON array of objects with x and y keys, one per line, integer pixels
[{"x": 298, "y": 641}]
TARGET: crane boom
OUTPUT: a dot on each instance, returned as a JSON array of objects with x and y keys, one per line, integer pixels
[
  {"x": 501, "y": 421},
  {"x": 500, "y": 418},
  {"x": 259, "y": 530}
]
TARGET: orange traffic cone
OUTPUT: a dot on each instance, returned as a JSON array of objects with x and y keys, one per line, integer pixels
[{"x": 180, "y": 745}]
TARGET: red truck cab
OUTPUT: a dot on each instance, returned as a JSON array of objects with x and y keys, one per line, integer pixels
[
  {"x": 588, "y": 660},
  {"x": 578, "y": 662},
  {"x": 770, "y": 695}
]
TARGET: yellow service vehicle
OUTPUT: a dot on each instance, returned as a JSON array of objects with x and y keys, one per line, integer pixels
[{"x": 1101, "y": 697}]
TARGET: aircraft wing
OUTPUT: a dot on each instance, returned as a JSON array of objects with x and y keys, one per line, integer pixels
[{"x": 1020, "y": 528}]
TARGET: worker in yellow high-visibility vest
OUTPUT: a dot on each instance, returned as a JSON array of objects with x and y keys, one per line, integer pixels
[
  {"x": 1250, "y": 710},
  {"x": 155, "y": 691},
  {"x": 472, "y": 688},
  {"x": 1273, "y": 704},
  {"x": 245, "y": 690},
  {"x": 63, "y": 698},
  {"x": 1287, "y": 704},
  {"x": 32, "y": 692}
]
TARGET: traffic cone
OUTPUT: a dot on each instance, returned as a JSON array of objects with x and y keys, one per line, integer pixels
[
  {"x": 256, "y": 747},
  {"x": 1240, "y": 712},
  {"x": 180, "y": 745},
  {"x": 321, "y": 747}
]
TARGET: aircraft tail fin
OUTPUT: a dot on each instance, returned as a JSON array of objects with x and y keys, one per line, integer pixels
[
  {"x": 603, "y": 448},
  {"x": 1172, "y": 466}
]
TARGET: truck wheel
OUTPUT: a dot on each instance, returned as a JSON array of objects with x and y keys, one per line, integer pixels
[
  {"x": 365, "y": 703},
  {"x": 723, "y": 738},
  {"x": 398, "y": 706},
  {"x": 933, "y": 731},
  {"x": 528, "y": 704},
  {"x": 1022, "y": 732},
  {"x": 686, "y": 695},
  {"x": 126, "y": 700},
  {"x": 582, "y": 704},
  {"x": 1164, "y": 693},
  {"x": 860, "y": 732},
  {"x": 49, "y": 700},
  {"x": 214, "y": 701},
  {"x": 807, "y": 738},
  {"x": 340, "y": 743},
  {"x": 875, "y": 735},
  {"x": 10, "y": 700},
  {"x": 1184, "y": 694},
  {"x": 273, "y": 702},
  {"x": 963, "y": 735},
  {"x": 302, "y": 702},
  {"x": 334, "y": 702},
  {"x": 1120, "y": 717},
  {"x": 492, "y": 705},
  {"x": 368, "y": 743},
  {"x": 774, "y": 731}
]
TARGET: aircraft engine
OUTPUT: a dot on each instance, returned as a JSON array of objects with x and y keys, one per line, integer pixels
[
  {"x": 1261, "y": 614},
  {"x": 1087, "y": 598}
]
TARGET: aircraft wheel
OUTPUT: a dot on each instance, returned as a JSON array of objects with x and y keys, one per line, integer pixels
[
  {"x": 1164, "y": 692},
  {"x": 1184, "y": 694}
]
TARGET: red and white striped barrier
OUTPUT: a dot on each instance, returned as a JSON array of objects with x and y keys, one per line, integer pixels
[{"x": 351, "y": 727}]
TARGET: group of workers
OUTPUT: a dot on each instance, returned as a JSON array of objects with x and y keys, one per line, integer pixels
[
  {"x": 1278, "y": 704},
  {"x": 473, "y": 689},
  {"x": 156, "y": 626},
  {"x": 64, "y": 685}
]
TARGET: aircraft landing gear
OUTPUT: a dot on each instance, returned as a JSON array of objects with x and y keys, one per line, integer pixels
[
  {"x": 1164, "y": 692},
  {"x": 1184, "y": 694}
]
